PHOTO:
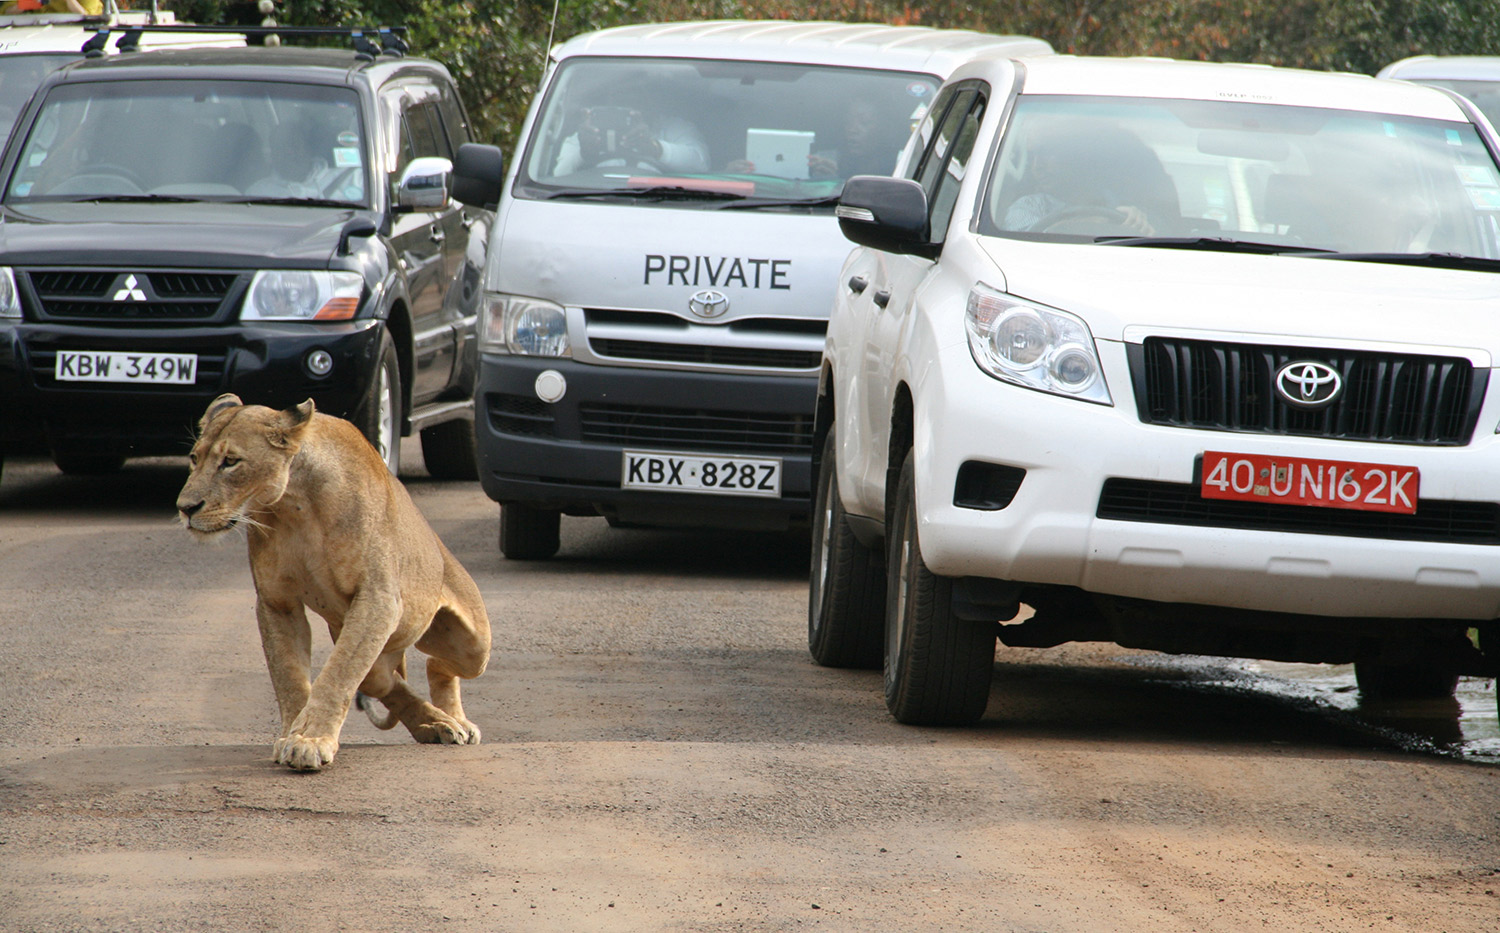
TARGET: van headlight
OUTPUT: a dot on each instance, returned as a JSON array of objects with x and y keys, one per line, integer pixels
[
  {"x": 303, "y": 295},
  {"x": 523, "y": 326},
  {"x": 10, "y": 299},
  {"x": 1032, "y": 346}
]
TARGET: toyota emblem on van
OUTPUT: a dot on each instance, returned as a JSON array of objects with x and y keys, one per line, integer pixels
[
  {"x": 1308, "y": 384},
  {"x": 709, "y": 303}
]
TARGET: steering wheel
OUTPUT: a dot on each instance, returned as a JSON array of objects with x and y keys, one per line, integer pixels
[
  {"x": 1081, "y": 219},
  {"x": 116, "y": 171}
]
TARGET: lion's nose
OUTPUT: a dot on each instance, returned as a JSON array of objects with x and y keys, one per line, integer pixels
[{"x": 189, "y": 509}]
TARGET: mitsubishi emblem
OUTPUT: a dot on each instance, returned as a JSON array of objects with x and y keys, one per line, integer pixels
[{"x": 131, "y": 291}]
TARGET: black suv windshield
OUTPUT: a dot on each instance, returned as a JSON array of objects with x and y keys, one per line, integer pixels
[{"x": 211, "y": 140}]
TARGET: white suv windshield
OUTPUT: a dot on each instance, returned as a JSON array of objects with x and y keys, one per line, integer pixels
[
  {"x": 1077, "y": 168},
  {"x": 194, "y": 139},
  {"x": 721, "y": 127}
]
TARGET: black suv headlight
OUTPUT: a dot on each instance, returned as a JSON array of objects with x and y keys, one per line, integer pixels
[{"x": 303, "y": 295}]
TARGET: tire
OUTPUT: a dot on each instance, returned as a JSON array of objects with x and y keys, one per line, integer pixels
[
  {"x": 379, "y": 416},
  {"x": 846, "y": 601},
  {"x": 449, "y": 451},
  {"x": 528, "y": 533},
  {"x": 78, "y": 463},
  {"x": 937, "y": 667},
  {"x": 1380, "y": 680}
]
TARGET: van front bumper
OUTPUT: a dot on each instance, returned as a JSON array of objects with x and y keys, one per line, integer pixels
[{"x": 568, "y": 454}]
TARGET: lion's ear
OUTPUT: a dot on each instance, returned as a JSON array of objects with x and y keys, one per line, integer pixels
[
  {"x": 223, "y": 403},
  {"x": 292, "y": 424}
]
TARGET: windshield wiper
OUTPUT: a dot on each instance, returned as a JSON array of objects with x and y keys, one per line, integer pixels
[
  {"x": 1212, "y": 243},
  {"x": 753, "y": 204},
  {"x": 299, "y": 202},
  {"x": 164, "y": 198},
  {"x": 1431, "y": 260},
  {"x": 654, "y": 192}
]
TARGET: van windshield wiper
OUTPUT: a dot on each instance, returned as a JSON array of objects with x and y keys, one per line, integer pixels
[
  {"x": 1211, "y": 243},
  {"x": 654, "y": 192},
  {"x": 1430, "y": 260}
]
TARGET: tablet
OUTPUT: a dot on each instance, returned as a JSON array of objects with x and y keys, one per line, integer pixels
[{"x": 782, "y": 153}]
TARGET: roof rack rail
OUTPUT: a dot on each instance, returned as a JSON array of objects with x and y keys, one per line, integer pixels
[{"x": 391, "y": 42}]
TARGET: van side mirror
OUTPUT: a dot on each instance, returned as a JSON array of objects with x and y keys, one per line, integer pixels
[
  {"x": 478, "y": 175},
  {"x": 888, "y": 214},
  {"x": 425, "y": 184}
]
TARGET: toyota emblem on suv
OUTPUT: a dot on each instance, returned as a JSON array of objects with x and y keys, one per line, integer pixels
[
  {"x": 1307, "y": 384},
  {"x": 709, "y": 303}
]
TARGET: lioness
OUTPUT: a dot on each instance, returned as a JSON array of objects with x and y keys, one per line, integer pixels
[{"x": 330, "y": 529}]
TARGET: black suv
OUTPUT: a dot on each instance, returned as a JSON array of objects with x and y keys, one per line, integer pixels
[{"x": 274, "y": 222}]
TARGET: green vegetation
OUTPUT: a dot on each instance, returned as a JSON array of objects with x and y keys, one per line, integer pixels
[{"x": 496, "y": 48}]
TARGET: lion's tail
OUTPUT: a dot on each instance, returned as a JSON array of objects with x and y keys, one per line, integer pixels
[{"x": 367, "y": 703}]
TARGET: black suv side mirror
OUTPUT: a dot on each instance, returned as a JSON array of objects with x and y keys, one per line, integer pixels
[
  {"x": 478, "y": 175},
  {"x": 425, "y": 184},
  {"x": 883, "y": 213}
]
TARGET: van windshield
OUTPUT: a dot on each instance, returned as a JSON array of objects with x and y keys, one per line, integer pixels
[
  {"x": 20, "y": 76},
  {"x": 194, "y": 140},
  {"x": 715, "y": 129},
  {"x": 1343, "y": 181}
]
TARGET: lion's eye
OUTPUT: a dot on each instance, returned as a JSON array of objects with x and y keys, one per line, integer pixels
[
  {"x": 193, "y": 459},
  {"x": 229, "y": 462}
]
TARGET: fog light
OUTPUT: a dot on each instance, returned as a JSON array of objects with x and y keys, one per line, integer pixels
[
  {"x": 319, "y": 363},
  {"x": 550, "y": 385}
]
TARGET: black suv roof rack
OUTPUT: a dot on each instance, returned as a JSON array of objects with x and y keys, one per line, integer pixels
[{"x": 391, "y": 39}]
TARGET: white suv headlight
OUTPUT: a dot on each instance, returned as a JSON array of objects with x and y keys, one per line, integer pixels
[
  {"x": 303, "y": 295},
  {"x": 10, "y": 299},
  {"x": 1033, "y": 346},
  {"x": 523, "y": 326}
]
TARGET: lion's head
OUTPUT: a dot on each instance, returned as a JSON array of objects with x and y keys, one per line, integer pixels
[{"x": 240, "y": 463}]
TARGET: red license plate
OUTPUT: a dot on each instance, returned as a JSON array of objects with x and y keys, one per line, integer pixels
[{"x": 1333, "y": 484}]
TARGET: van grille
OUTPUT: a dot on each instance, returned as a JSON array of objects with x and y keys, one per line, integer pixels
[
  {"x": 697, "y": 429},
  {"x": 792, "y": 344},
  {"x": 1388, "y": 397}
]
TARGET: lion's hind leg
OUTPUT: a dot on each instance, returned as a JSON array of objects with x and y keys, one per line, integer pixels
[
  {"x": 426, "y": 723},
  {"x": 457, "y": 644}
]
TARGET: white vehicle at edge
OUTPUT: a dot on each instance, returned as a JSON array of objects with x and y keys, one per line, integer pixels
[
  {"x": 34, "y": 44},
  {"x": 1188, "y": 357}
]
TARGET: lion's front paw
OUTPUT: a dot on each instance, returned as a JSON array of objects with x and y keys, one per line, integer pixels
[
  {"x": 304, "y": 752},
  {"x": 448, "y": 732}
]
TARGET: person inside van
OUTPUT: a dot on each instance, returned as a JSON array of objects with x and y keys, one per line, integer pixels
[
  {"x": 865, "y": 145},
  {"x": 623, "y": 136}
]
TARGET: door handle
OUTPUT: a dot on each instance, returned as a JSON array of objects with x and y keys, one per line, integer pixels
[
  {"x": 438, "y": 235},
  {"x": 883, "y": 297},
  {"x": 858, "y": 284},
  {"x": 467, "y": 220}
]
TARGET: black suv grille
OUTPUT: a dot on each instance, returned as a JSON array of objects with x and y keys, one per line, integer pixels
[
  {"x": 130, "y": 297},
  {"x": 1387, "y": 398}
]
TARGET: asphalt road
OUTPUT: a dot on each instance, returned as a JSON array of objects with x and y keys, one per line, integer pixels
[{"x": 660, "y": 754}]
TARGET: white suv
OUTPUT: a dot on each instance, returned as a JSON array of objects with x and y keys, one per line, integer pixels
[{"x": 1187, "y": 357}]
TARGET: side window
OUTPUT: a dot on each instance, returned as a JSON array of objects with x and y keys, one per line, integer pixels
[
  {"x": 418, "y": 126},
  {"x": 920, "y": 142},
  {"x": 940, "y": 149},
  {"x": 455, "y": 123},
  {"x": 952, "y": 175}
]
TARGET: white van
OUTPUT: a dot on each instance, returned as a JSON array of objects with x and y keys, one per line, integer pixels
[
  {"x": 659, "y": 278},
  {"x": 34, "y": 44}
]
